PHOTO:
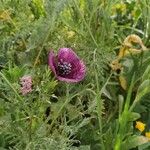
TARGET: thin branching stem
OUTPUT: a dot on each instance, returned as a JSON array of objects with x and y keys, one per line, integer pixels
[
  {"x": 86, "y": 24},
  {"x": 99, "y": 105},
  {"x": 42, "y": 47},
  {"x": 11, "y": 86}
]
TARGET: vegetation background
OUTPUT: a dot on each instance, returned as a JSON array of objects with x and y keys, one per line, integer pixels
[{"x": 100, "y": 114}]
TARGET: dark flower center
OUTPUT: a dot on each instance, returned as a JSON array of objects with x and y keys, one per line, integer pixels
[{"x": 64, "y": 68}]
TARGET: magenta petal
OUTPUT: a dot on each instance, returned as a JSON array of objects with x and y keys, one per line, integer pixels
[
  {"x": 51, "y": 62},
  {"x": 79, "y": 72},
  {"x": 67, "y": 54},
  {"x": 77, "y": 76},
  {"x": 67, "y": 66}
]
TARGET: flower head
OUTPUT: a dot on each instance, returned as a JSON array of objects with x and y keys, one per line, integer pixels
[
  {"x": 66, "y": 65},
  {"x": 147, "y": 134},
  {"x": 26, "y": 84},
  {"x": 140, "y": 126}
]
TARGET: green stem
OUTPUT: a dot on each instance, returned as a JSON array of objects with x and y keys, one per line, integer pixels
[
  {"x": 127, "y": 104},
  {"x": 99, "y": 102},
  {"x": 41, "y": 49},
  {"x": 7, "y": 81},
  {"x": 124, "y": 117},
  {"x": 84, "y": 21},
  {"x": 61, "y": 109},
  {"x": 30, "y": 128},
  {"x": 99, "y": 109}
]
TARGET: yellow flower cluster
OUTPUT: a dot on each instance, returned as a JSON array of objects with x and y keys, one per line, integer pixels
[
  {"x": 119, "y": 6},
  {"x": 141, "y": 127},
  {"x": 147, "y": 134}
]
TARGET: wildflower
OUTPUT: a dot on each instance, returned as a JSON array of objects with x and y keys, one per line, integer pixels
[
  {"x": 140, "y": 126},
  {"x": 66, "y": 65},
  {"x": 26, "y": 84},
  {"x": 147, "y": 134},
  {"x": 121, "y": 7}
]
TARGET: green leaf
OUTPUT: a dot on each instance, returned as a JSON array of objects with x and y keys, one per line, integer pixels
[
  {"x": 84, "y": 147},
  {"x": 146, "y": 74},
  {"x": 2, "y": 141},
  {"x": 134, "y": 141},
  {"x": 143, "y": 89},
  {"x": 134, "y": 116},
  {"x": 14, "y": 73},
  {"x": 121, "y": 102},
  {"x": 108, "y": 136},
  {"x": 145, "y": 146}
]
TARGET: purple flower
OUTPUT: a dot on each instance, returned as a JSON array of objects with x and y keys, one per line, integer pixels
[
  {"x": 67, "y": 66},
  {"x": 26, "y": 84}
]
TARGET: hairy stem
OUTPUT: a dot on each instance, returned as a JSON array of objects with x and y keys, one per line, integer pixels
[{"x": 99, "y": 102}]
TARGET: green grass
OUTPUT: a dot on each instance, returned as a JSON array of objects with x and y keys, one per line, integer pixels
[{"x": 94, "y": 114}]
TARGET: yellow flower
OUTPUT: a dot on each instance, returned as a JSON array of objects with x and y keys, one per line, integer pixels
[
  {"x": 119, "y": 6},
  {"x": 140, "y": 126},
  {"x": 147, "y": 134}
]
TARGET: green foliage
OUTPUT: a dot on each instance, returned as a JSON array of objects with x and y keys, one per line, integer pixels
[
  {"x": 93, "y": 114},
  {"x": 134, "y": 141}
]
